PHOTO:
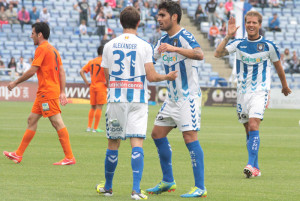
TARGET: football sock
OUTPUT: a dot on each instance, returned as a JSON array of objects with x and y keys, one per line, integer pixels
[
  {"x": 137, "y": 165},
  {"x": 63, "y": 136},
  {"x": 253, "y": 146},
  {"x": 111, "y": 161},
  {"x": 97, "y": 118},
  {"x": 197, "y": 158},
  {"x": 28, "y": 135},
  {"x": 165, "y": 156},
  {"x": 256, "y": 162},
  {"x": 91, "y": 117}
]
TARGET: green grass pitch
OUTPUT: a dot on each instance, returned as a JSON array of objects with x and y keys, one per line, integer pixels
[{"x": 221, "y": 136}]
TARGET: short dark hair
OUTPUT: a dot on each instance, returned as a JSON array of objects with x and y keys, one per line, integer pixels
[
  {"x": 100, "y": 49},
  {"x": 172, "y": 8},
  {"x": 42, "y": 27},
  {"x": 129, "y": 17}
]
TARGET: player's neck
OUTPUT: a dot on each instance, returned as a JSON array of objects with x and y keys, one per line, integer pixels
[
  {"x": 130, "y": 31},
  {"x": 41, "y": 41},
  {"x": 254, "y": 38},
  {"x": 175, "y": 29}
]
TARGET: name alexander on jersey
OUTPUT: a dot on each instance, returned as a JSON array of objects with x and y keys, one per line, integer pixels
[{"x": 125, "y": 46}]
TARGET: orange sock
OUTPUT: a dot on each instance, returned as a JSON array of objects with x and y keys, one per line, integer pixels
[
  {"x": 63, "y": 136},
  {"x": 97, "y": 118},
  {"x": 91, "y": 117},
  {"x": 27, "y": 137}
]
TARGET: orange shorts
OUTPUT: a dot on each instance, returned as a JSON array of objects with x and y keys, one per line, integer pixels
[
  {"x": 47, "y": 108},
  {"x": 98, "y": 97}
]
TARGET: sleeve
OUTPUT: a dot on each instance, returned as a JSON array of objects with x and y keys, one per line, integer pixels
[
  {"x": 38, "y": 57},
  {"x": 231, "y": 47},
  {"x": 190, "y": 39},
  {"x": 156, "y": 54},
  {"x": 104, "y": 62},
  {"x": 86, "y": 68},
  {"x": 274, "y": 52},
  {"x": 149, "y": 54}
]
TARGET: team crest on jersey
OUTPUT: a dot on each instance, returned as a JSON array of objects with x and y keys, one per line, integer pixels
[
  {"x": 175, "y": 42},
  {"x": 260, "y": 47},
  {"x": 126, "y": 37}
]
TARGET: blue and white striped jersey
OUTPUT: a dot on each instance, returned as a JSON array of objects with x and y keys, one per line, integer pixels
[
  {"x": 253, "y": 63},
  {"x": 187, "y": 82},
  {"x": 125, "y": 57}
]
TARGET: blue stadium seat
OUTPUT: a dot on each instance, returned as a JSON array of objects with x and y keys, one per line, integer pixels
[
  {"x": 85, "y": 39},
  {"x": 68, "y": 55},
  {"x": 20, "y": 45},
  {"x": 75, "y": 39},
  {"x": 76, "y": 64},
  {"x": 290, "y": 36},
  {"x": 6, "y": 28},
  {"x": 27, "y": 54},
  {"x": 72, "y": 47},
  {"x": 81, "y": 47},
  {"x": 78, "y": 56}
]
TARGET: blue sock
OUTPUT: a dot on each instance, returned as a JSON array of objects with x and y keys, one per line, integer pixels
[
  {"x": 111, "y": 161},
  {"x": 137, "y": 165},
  {"x": 253, "y": 146},
  {"x": 197, "y": 158},
  {"x": 165, "y": 156}
]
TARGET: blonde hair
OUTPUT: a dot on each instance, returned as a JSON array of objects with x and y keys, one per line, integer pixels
[{"x": 254, "y": 14}]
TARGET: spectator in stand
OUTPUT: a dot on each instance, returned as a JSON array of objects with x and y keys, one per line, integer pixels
[
  {"x": 157, "y": 35},
  {"x": 12, "y": 15},
  {"x": 221, "y": 13},
  {"x": 30, "y": 60},
  {"x": 34, "y": 15},
  {"x": 2, "y": 66},
  {"x": 147, "y": 10},
  {"x": 12, "y": 64},
  {"x": 23, "y": 16},
  {"x": 14, "y": 3},
  {"x": 104, "y": 40},
  {"x": 2, "y": 13},
  {"x": 229, "y": 8},
  {"x": 274, "y": 23},
  {"x": 22, "y": 66},
  {"x": 210, "y": 9},
  {"x": 154, "y": 11},
  {"x": 223, "y": 29},
  {"x": 213, "y": 34},
  {"x": 294, "y": 64},
  {"x": 274, "y": 3},
  {"x": 4, "y": 3},
  {"x": 199, "y": 15},
  {"x": 286, "y": 55},
  {"x": 101, "y": 23},
  {"x": 84, "y": 10},
  {"x": 254, "y": 3},
  {"x": 285, "y": 65},
  {"x": 112, "y": 3},
  {"x": 97, "y": 8},
  {"x": 45, "y": 16},
  {"x": 107, "y": 10},
  {"x": 83, "y": 28},
  {"x": 263, "y": 3}
]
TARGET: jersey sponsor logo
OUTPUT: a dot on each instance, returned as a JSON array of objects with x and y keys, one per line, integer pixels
[
  {"x": 251, "y": 59},
  {"x": 126, "y": 84},
  {"x": 243, "y": 46},
  {"x": 168, "y": 59},
  {"x": 260, "y": 47}
]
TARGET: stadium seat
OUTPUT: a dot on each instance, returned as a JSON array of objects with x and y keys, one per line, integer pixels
[
  {"x": 68, "y": 55},
  {"x": 88, "y": 55},
  {"x": 81, "y": 47},
  {"x": 78, "y": 56}
]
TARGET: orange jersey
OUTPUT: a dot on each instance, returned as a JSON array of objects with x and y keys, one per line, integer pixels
[
  {"x": 97, "y": 74},
  {"x": 48, "y": 60}
]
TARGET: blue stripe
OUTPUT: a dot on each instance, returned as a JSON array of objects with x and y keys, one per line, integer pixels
[
  {"x": 167, "y": 71},
  {"x": 173, "y": 82},
  {"x": 275, "y": 47},
  {"x": 264, "y": 72},
  {"x": 142, "y": 96},
  {"x": 130, "y": 92},
  {"x": 183, "y": 74},
  {"x": 255, "y": 72},
  {"x": 245, "y": 71},
  {"x": 238, "y": 66},
  {"x": 118, "y": 90}
]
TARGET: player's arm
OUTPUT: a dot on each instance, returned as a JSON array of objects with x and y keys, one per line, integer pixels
[
  {"x": 195, "y": 53},
  {"x": 28, "y": 74},
  {"x": 221, "y": 50},
  {"x": 62, "y": 78},
  {"x": 153, "y": 76},
  {"x": 285, "y": 88},
  {"x": 82, "y": 73},
  {"x": 106, "y": 74}
]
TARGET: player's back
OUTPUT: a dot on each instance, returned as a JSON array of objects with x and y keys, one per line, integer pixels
[
  {"x": 48, "y": 60},
  {"x": 125, "y": 56},
  {"x": 97, "y": 73}
]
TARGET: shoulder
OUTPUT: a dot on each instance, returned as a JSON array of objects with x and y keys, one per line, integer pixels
[
  {"x": 237, "y": 41},
  {"x": 271, "y": 44}
]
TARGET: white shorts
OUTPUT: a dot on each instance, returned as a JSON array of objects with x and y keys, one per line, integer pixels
[
  {"x": 184, "y": 114},
  {"x": 126, "y": 120},
  {"x": 251, "y": 105}
]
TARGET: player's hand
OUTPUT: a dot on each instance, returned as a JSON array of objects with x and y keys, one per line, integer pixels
[
  {"x": 232, "y": 27},
  {"x": 286, "y": 91},
  {"x": 63, "y": 99},
  {"x": 172, "y": 75},
  {"x": 11, "y": 85},
  {"x": 165, "y": 47}
]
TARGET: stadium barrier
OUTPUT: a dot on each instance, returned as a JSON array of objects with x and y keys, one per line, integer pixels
[{"x": 78, "y": 93}]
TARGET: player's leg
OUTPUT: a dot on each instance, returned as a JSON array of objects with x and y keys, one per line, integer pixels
[
  {"x": 92, "y": 109},
  {"x": 17, "y": 156},
  {"x": 98, "y": 114},
  {"x": 197, "y": 158}
]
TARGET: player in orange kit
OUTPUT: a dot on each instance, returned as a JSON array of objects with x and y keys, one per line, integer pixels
[
  {"x": 98, "y": 89},
  {"x": 51, "y": 90}
]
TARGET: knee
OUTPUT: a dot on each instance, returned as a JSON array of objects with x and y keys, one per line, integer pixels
[
  {"x": 155, "y": 135},
  {"x": 31, "y": 121},
  {"x": 57, "y": 124}
]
